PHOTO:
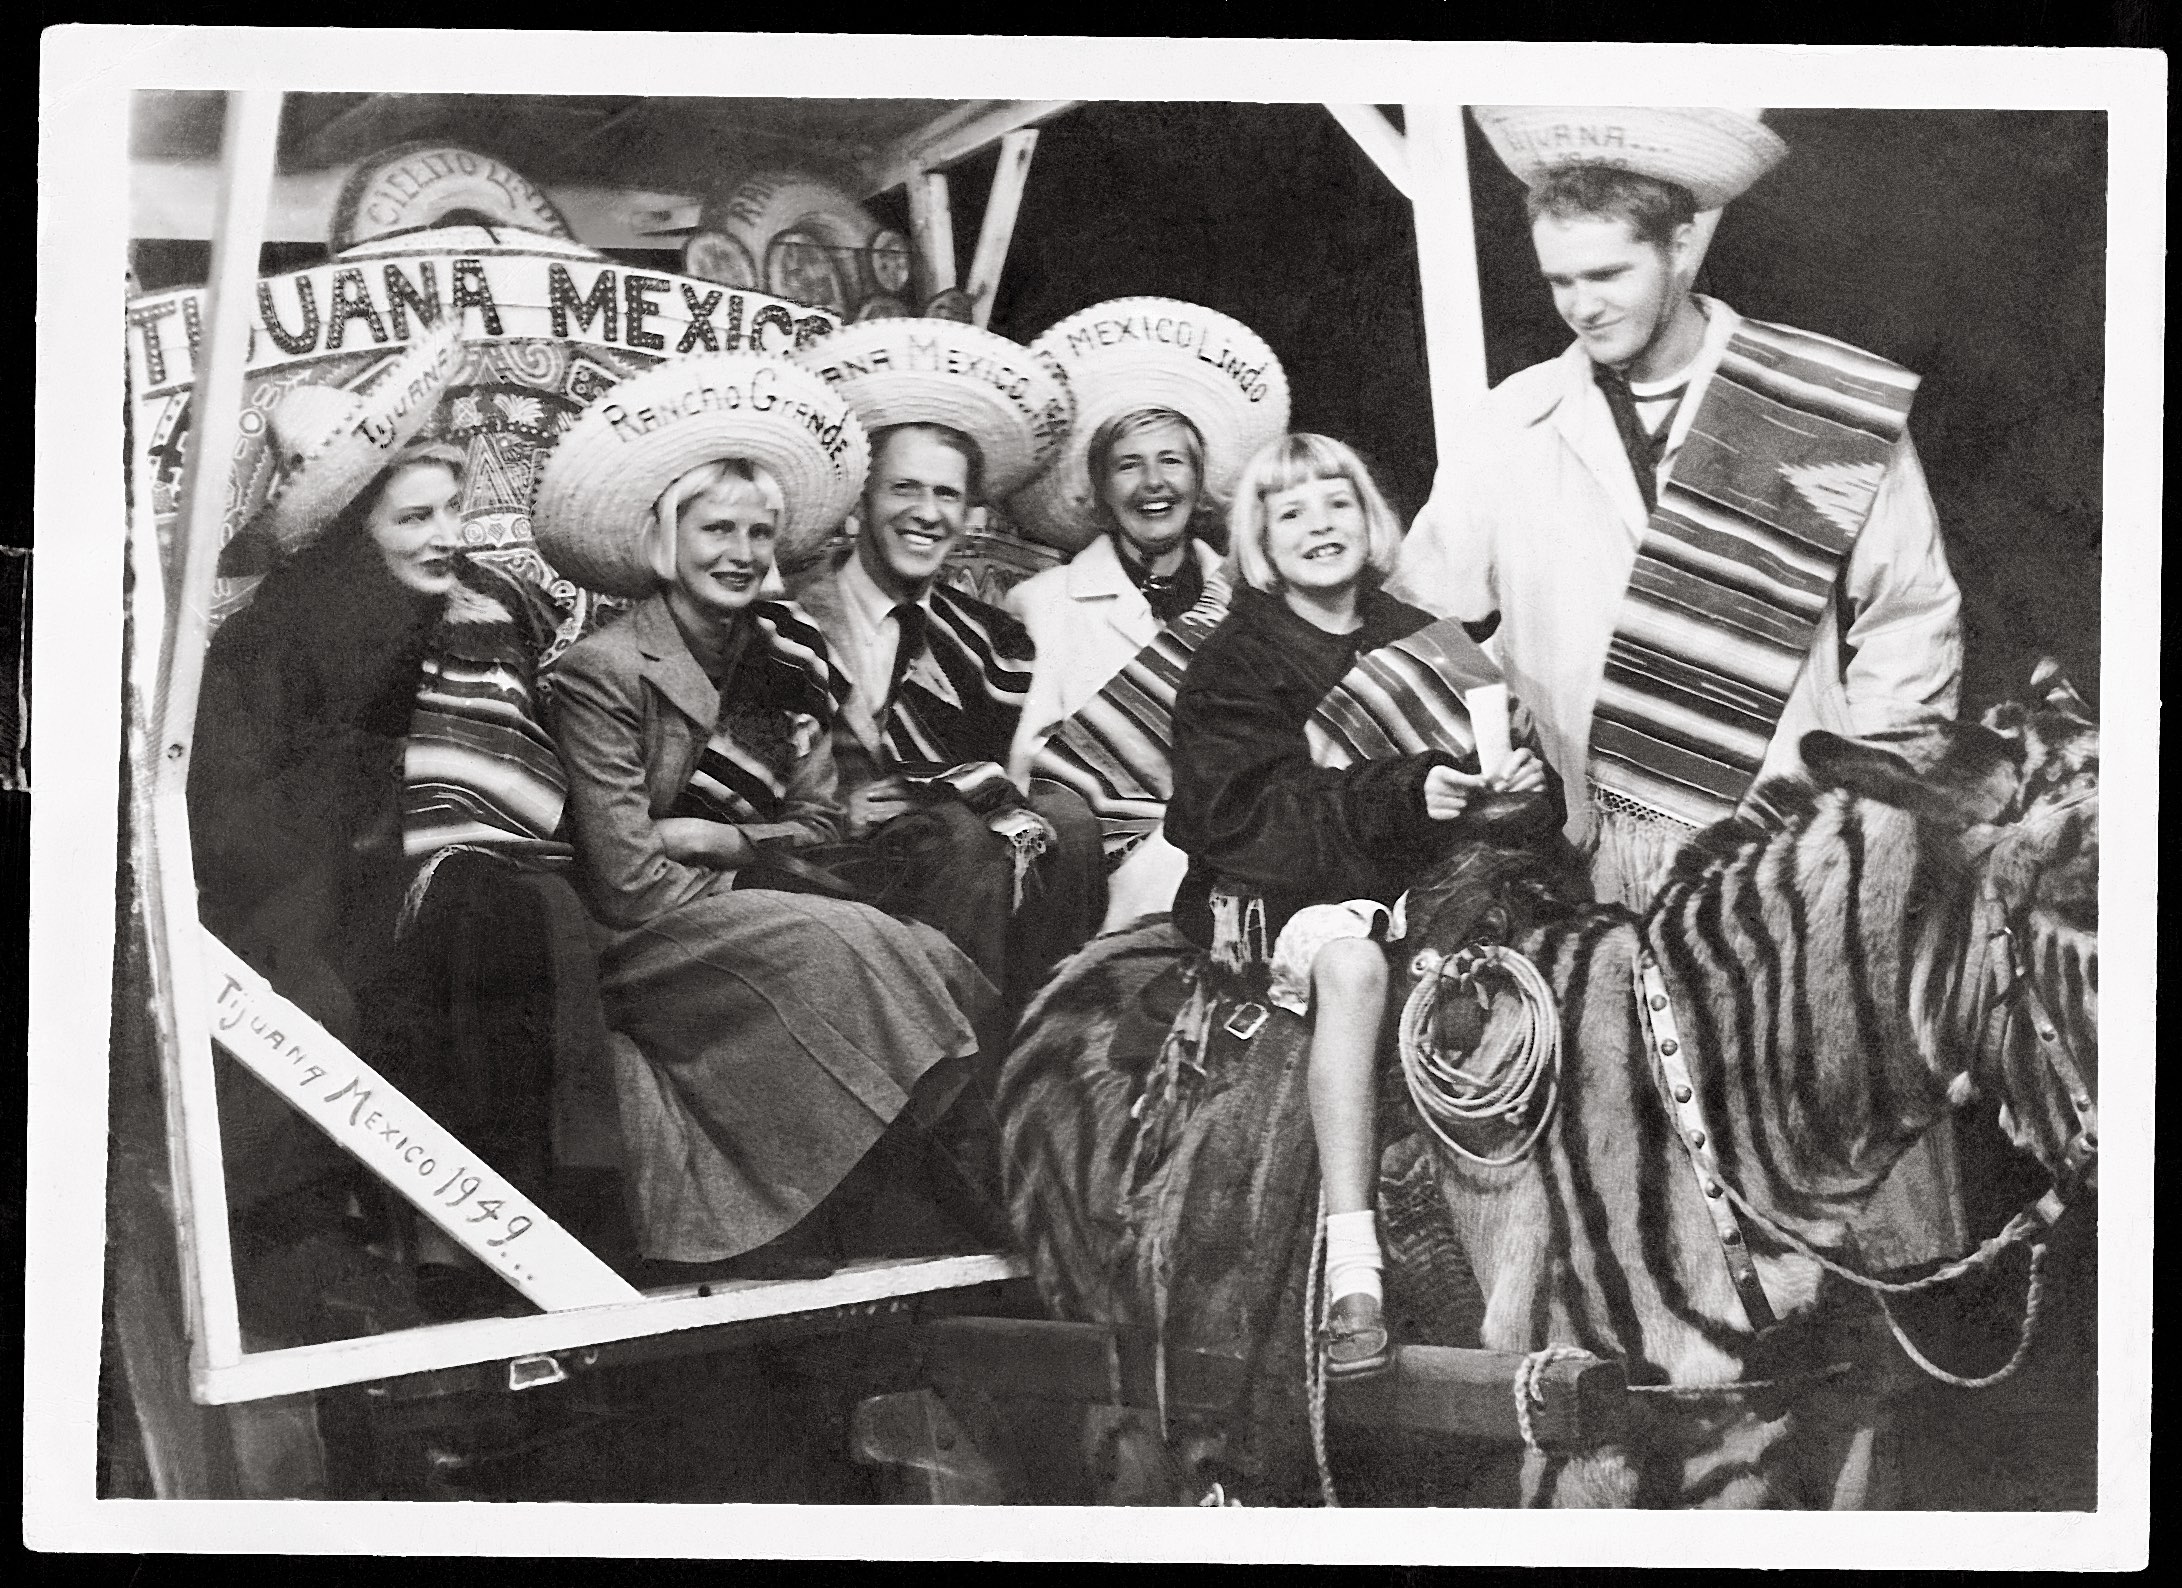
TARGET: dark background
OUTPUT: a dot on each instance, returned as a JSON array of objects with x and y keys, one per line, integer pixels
[{"x": 1968, "y": 245}]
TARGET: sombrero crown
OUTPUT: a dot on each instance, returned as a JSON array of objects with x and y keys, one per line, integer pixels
[
  {"x": 1715, "y": 154},
  {"x": 329, "y": 442},
  {"x": 1135, "y": 353},
  {"x": 605, "y": 474},
  {"x": 1012, "y": 401}
]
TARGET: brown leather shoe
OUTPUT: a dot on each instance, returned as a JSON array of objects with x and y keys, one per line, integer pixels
[{"x": 1356, "y": 1341}]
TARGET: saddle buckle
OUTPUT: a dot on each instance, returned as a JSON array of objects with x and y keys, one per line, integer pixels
[{"x": 1247, "y": 1021}]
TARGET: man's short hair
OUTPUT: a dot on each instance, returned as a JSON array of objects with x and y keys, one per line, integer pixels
[
  {"x": 946, "y": 436},
  {"x": 1652, "y": 208}
]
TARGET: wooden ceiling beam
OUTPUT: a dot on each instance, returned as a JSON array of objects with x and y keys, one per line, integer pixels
[{"x": 956, "y": 135}]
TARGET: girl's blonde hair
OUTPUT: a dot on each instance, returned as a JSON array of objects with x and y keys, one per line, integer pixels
[
  {"x": 1297, "y": 459},
  {"x": 659, "y": 532}
]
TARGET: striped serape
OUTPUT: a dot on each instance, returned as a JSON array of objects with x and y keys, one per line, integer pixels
[
  {"x": 785, "y": 692},
  {"x": 1116, "y": 750},
  {"x": 1403, "y": 698},
  {"x": 1783, "y": 461},
  {"x": 961, "y": 699},
  {"x": 479, "y": 770}
]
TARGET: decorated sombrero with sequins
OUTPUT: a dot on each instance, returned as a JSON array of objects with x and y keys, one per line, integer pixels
[
  {"x": 1135, "y": 353},
  {"x": 1715, "y": 154},
  {"x": 607, "y": 472},
  {"x": 329, "y": 442},
  {"x": 1011, "y": 400}
]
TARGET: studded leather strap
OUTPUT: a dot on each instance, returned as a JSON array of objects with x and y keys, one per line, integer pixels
[{"x": 1670, "y": 1066}]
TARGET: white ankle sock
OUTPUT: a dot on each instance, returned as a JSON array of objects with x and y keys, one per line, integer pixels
[{"x": 1352, "y": 1256}]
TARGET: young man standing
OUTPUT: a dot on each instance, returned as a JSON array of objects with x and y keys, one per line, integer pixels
[{"x": 1704, "y": 536}]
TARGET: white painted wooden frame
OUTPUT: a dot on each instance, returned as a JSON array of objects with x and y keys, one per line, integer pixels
[{"x": 171, "y": 637}]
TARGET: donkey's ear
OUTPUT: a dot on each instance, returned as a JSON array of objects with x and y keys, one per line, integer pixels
[
  {"x": 1859, "y": 766},
  {"x": 2051, "y": 688},
  {"x": 1972, "y": 783}
]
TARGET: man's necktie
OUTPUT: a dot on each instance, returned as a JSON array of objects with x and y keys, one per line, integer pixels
[
  {"x": 909, "y": 621},
  {"x": 1641, "y": 446}
]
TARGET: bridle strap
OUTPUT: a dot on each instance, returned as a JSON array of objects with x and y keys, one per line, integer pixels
[{"x": 1670, "y": 1070}]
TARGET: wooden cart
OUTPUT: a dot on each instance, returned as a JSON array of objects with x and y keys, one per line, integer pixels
[{"x": 218, "y": 1418}]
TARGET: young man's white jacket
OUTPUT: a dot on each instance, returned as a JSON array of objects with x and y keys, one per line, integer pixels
[{"x": 1540, "y": 517}]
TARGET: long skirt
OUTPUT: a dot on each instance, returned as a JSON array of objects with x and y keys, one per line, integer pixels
[{"x": 784, "y": 1033}]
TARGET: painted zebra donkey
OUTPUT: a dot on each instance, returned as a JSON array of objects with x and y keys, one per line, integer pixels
[{"x": 1912, "y": 925}]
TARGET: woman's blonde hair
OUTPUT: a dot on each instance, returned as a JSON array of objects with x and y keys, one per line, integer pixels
[
  {"x": 1297, "y": 459},
  {"x": 659, "y": 532}
]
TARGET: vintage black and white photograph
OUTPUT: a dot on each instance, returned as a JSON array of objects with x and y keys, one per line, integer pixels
[{"x": 1369, "y": 781}]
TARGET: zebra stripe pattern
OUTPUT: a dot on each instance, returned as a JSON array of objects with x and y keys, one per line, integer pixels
[{"x": 1782, "y": 463}]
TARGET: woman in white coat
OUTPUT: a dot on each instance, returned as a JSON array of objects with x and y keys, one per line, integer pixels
[{"x": 1140, "y": 489}]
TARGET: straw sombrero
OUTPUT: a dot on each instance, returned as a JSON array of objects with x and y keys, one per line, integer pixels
[
  {"x": 1153, "y": 353},
  {"x": 329, "y": 442},
  {"x": 1715, "y": 154},
  {"x": 1011, "y": 400},
  {"x": 607, "y": 471}
]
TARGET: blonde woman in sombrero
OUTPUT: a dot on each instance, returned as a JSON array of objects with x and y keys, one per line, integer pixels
[
  {"x": 788, "y": 1030},
  {"x": 1172, "y": 399},
  {"x": 370, "y": 788}
]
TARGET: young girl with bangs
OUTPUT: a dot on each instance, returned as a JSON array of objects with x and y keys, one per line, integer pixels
[{"x": 1312, "y": 859}]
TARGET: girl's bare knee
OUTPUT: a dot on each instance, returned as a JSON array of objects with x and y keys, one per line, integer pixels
[{"x": 1352, "y": 965}]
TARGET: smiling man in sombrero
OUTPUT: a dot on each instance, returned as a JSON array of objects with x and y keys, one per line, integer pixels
[
  {"x": 1172, "y": 399},
  {"x": 957, "y": 416},
  {"x": 1704, "y": 535}
]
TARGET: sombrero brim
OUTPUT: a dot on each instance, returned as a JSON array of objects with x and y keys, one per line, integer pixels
[
  {"x": 1715, "y": 154},
  {"x": 314, "y": 489},
  {"x": 1153, "y": 353},
  {"x": 1013, "y": 402},
  {"x": 604, "y": 475}
]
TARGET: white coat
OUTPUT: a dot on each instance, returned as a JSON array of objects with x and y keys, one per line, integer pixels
[{"x": 1540, "y": 521}]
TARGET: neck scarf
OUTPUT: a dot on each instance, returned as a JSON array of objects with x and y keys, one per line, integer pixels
[{"x": 1168, "y": 595}]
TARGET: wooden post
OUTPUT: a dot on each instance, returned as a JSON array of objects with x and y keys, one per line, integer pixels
[
  {"x": 1454, "y": 325},
  {"x": 177, "y": 972},
  {"x": 932, "y": 233},
  {"x": 998, "y": 227},
  {"x": 1376, "y": 136}
]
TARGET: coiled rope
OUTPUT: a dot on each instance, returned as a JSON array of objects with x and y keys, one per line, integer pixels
[{"x": 1514, "y": 1084}]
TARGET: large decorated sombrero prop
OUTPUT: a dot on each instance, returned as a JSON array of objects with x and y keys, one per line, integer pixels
[
  {"x": 1715, "y": 154},
  {"x": 603, "y": 477},
  {"x": 329, "y": 442},
  {"x": 1011, "y": 400},
  {"x": 1153, "y": 353}
]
